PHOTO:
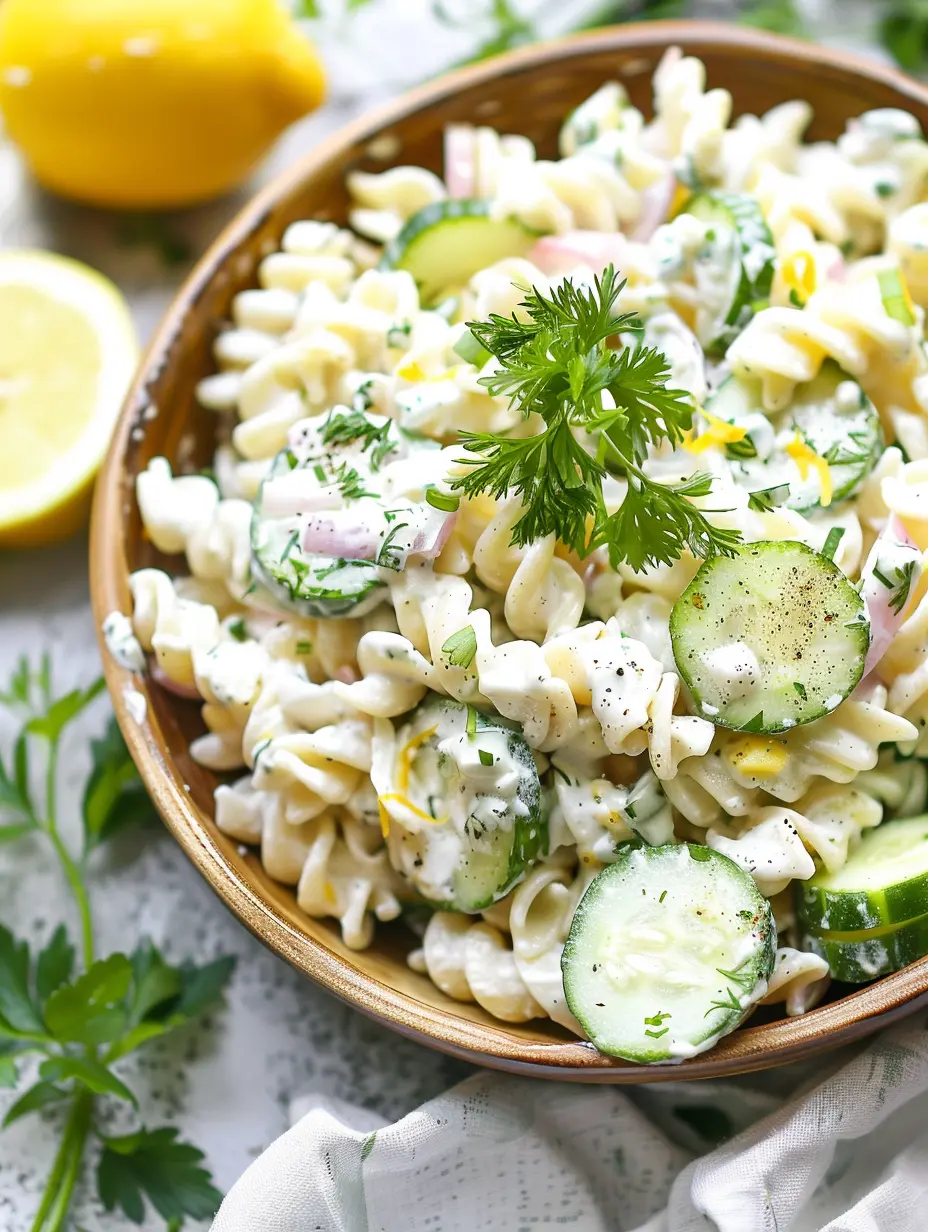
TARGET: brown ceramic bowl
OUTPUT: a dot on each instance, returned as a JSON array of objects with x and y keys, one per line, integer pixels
[{"x": 527, "y": 92}]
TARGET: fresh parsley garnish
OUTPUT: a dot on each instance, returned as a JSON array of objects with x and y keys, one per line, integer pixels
[
  {"x": 461, "y": 647},
  {"x": 554, "y": 364},
  {"x": 77, "y": 1014}
]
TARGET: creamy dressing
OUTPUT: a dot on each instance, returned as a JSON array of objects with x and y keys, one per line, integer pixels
[{"x": 122, "y": 643}]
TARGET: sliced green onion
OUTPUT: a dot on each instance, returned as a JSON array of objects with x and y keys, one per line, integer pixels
[
  {"x": 442, "y": 500},
  {"x": 486, "y": 759},
  {"x": 470, "y": 350},
  {"x": 471, "y": 721},
  {"x": 895, "y": 296}
]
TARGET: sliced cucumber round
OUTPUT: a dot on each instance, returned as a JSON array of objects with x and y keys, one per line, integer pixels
[
  {"x": 307, "y": 584},
  {"x": 830, "y": 415},
  {"x": 884, "y": 882},
  {"x": 769, "y": 638},
  {"x": 464, "y": 816},
  {"x": 745, "y": 266},
  {"x": 858, "y": 958},
  {"x": 447, "y": 242},
  {"x": 668, "y": 950}
]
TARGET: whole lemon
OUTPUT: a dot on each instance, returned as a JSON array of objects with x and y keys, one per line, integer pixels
[{"x": 150, "y": 103}]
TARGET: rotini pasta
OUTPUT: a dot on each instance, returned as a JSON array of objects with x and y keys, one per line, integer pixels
[{"x": 583, "y": 609}]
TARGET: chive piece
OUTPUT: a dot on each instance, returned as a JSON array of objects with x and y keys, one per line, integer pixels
[
  {"x": 765, "y": 499},
  {"x": 441, "y": 500},
  {"x": 291, "y": 544},
  {"x": 319, "y": 473},
  {"x": 663, "y": 896},
  {"x": 461, "y": 647},
  {"x": 292, "y": 460},
  {"x": 304, "y": 646},
  {"x": 471, "y": 721},
  {"x": 835, "y": 535},
  {"x": 486, "y": 759},
  {"x": 470, "y": 350}
]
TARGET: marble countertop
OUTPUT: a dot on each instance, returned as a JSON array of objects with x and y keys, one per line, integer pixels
[{"x": 226, "y": 1082}]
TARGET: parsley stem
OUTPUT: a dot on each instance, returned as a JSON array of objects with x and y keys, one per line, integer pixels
[
  {"x": 56, "y": 1199},
  {"x": 68, "y": 864}
]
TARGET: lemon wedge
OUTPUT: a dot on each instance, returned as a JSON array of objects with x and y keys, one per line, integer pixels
[{"x": 67, "y": 353}]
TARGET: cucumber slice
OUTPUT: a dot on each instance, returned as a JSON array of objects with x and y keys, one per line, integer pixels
[
  {"x": 667, "y": 952},
  {"x": 447, "y": 242},
  {"x": 830, "y": 414},
  {"x": 463, "y": 803},
  {"x": 745, "y": 266},
  {"x": 309, "y": 585},
  {"x": 858, "y": 958},
  {"x": 769, "y": 638},
  {"x": 884, "y": 882}
]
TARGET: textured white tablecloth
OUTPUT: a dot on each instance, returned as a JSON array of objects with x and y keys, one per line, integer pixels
[{"x": 849, "y": 1154}]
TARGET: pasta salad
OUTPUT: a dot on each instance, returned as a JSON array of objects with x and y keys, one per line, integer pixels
[{"x": 558, "y": 582}]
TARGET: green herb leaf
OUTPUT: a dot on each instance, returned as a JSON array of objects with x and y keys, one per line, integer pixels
[
  {"x": 63, "y": 711},
  {"x": 114, "y": 797},
  {"x": 90, "y": 1010},
  {"x": 800, "y": 688},
  {"x": 18, "y": 1014},
  {"x": 9, "y": 1072},
  {"x": 16, "y": 830},
  {"x": 461, "y": 647},
  {"x": 237, "y": 630},
  {"x": 766, "y": 499},
  {"x": 554, "y": 364},
  {"x": 86, "y": 1073},
  {"x": 834, "y": 537},
  {"x": 486, "y": 758},
  {"x": 55, "y": 964},
  {"x": 153, "y": 1164},
  {"x": 38, "y": 1096},
  {"x": 154, "y": 982}
]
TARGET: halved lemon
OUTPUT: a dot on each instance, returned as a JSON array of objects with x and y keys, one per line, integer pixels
[{"x": 67, "y": 354}]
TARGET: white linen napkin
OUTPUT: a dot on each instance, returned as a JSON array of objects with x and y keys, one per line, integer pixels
[{"x": 505, "y": 1154}]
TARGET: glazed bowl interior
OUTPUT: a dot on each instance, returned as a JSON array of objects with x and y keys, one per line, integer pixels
[{"x": 528, "y": 92}]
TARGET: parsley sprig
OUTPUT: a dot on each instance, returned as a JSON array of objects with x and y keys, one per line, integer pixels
[
  {"x": 80, "y": 1017},
  {"x": 554, "y": 363}
]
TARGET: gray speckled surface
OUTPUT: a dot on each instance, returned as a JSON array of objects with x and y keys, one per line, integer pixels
[{"x": 228, "y": 1081}]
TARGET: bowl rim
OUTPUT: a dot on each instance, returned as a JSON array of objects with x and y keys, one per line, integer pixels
[{"x": 749, "y": 1048}]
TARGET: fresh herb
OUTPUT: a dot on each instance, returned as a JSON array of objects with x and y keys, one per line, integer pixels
[
  {"x": 389, "y": 556},
  {"x": 320, "y": 474},
  {"x": 904, "y": 33},
  {"x": 777, "y": 16},
  {"x": 80, "y": 1016},
  {"x": 471, "y": 726},
  {"x": 289, "y": 546},
  {"x": 658, "y": 1018},
  {"x": 630, "y": 812},
  {"x": 398, "y": 335},
  {"x": 237, "y": 630},
  {"x": 350, "y": 483},
  {"x": 292, "y": 460},
  {"x": 764, "y": 500},
  {"x": 656, "y": 1034},
  {"x": 555, "y": 364},
  {"x": 344, "y": 429},
  {"x": 442, "y": 501},
  {"x": 833, "y": 538},
  {"x": 756, "y": 724},
  {"x": 486, "y": 759},
  {"x": 731, "y": 1002},
  {"x": 461, "y": 647},
  {"x": 800, "y": 688},
  {"x": 304, "y": 646},
  {"x": 900, "y": 584},
  {"x": 662, "y": 896}
]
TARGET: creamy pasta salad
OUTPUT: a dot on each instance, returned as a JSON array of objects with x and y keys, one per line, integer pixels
[{"x": 559, "y": 577}]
